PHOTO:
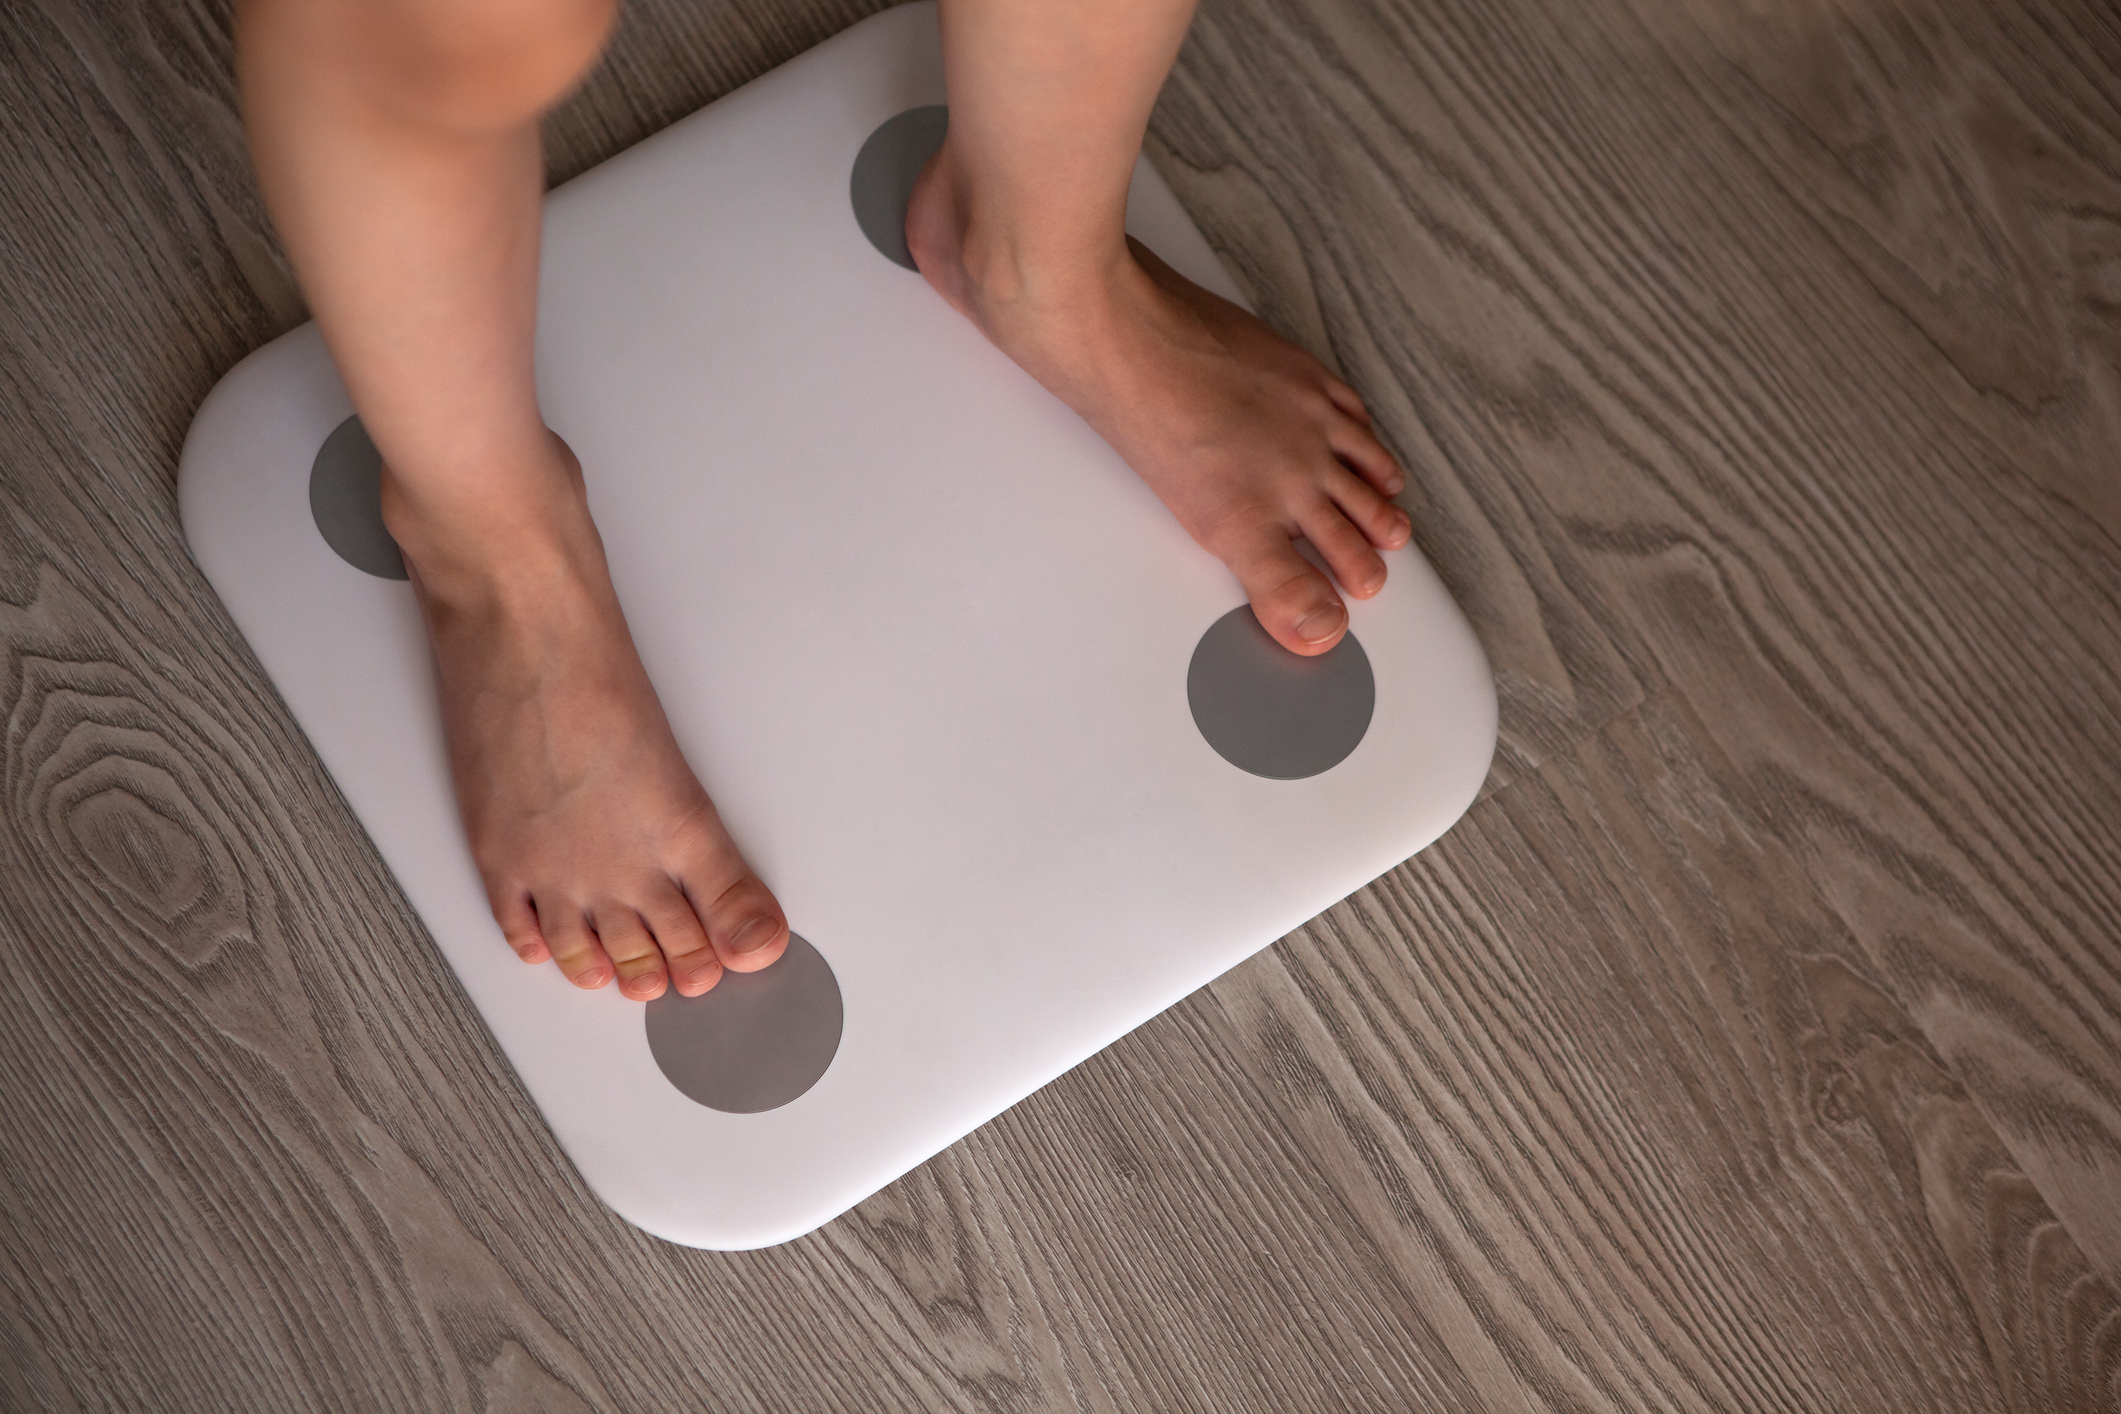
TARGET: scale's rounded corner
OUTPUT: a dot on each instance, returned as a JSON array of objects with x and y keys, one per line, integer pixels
[
  {"x": 217, "y": 426},
  {"x": 242, "y": 427},
  {"x": 1471, "y": 719},
  {"x": 1483, "y": 723},
  {"x": 675, "y": 1218}
]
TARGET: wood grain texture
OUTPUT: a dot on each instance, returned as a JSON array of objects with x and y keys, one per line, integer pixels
[
  {"x": 1774, "y": 450},
  {"x": 1755, "y": 1043}
]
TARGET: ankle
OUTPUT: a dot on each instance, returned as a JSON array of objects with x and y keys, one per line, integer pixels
[
  {"x": 517, "y": 534},
  {"x": 1015, "y": 267},
  {"x": 522, "y": 569},
  {"x": 1003, "y": 264}
]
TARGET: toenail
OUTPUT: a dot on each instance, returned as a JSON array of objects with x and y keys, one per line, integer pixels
[
  {"x": 1321, "y": 623},
  {"x": 752, "y": 936},
  {"x": 595, "y": 977}
]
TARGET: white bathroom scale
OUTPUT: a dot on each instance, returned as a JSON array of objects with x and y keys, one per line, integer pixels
[{"x": 1005, "y": 742}]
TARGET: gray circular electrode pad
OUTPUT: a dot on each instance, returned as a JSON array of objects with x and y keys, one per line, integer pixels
[
  {"x": 346, "y": 501},
  {"x": 884, "y": 171},
  {"x": 1272, "y": 712},
  {"x": 757, "y": 1040}
]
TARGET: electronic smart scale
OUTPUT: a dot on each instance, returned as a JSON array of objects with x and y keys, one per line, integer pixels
[{"x": 1007, "y": 745}]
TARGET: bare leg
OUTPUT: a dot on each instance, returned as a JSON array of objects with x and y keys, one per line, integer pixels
[
  {"x": 397, "y": 144},
  {"x": 1020, "y": 223}
]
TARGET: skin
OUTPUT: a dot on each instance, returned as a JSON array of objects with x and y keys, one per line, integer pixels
[{"x": 396, "y": 143}]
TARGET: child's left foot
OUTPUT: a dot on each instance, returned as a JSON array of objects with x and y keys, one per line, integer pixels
[{"x": 1246, "y": 437}]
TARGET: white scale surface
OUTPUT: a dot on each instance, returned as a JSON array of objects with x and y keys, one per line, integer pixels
[{"x": 923, "y": 635}]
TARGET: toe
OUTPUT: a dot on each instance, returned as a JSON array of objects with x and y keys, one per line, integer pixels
[
  {"x": 1293, "y": 600},
  {"x": 1355, "y": 563},
  {"x": 1356, "y": 445},
  {"x": 1381, "y": 523},
  {"x": 574, "y": 946},
  {"x": 519, "y": 923},
  {"x": 747, "y": 926},
  {"x": 1347, "y": 400},
  {"x": 743, "y": 920},
  {"x": 694, "y": 967},
  {"x": 635, "y": 959}
]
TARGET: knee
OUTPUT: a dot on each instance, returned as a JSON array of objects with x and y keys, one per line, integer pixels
[
  {"x": 492, "y": 63},
  {"x": 472, "y": 65}
]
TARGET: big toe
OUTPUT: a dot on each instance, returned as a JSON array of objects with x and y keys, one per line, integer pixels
[
  {"x": 747, "y": 926},
  {"x": 743, "y": 920},
  {"x": 1295, "y": 602}
]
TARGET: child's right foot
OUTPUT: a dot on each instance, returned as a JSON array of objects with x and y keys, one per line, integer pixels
[{"x": 598, "y": 846}]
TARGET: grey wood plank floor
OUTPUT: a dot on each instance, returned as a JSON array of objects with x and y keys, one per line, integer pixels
[{"x": 1753, "y": 1044}]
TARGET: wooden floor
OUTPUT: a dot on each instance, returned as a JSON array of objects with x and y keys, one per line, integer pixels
[{"x": 1754, "y": 1043}]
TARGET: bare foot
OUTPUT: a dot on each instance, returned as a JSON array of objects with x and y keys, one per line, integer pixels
[
  {"x": 1249, "y": 440},
  {"x": 597, "y": 845}
]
